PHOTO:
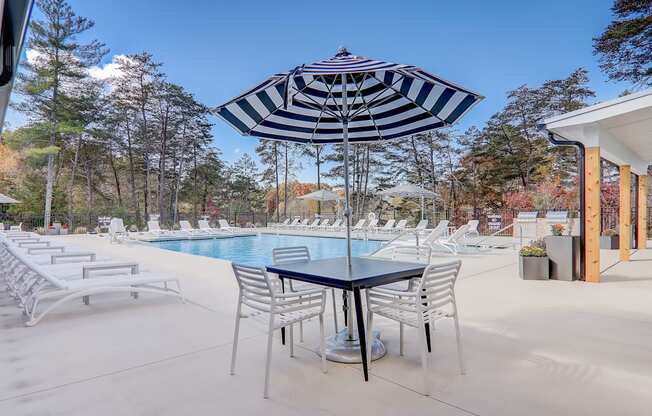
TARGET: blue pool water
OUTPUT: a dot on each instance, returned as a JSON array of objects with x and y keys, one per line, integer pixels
[{"x": 257, "y": 250}]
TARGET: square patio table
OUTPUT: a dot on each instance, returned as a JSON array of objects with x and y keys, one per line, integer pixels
[{"x": 364, "y": 273}]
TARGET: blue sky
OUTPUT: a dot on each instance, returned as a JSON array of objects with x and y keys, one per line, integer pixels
[{"x": 217, "y": 49}]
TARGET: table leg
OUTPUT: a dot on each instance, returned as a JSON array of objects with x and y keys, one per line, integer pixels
[
  {"x": 345, "y": 307},
  {"x": 283, "y": 328},
  {"x": 427, "y": 329},
  {"x": 361, "y": 331}
]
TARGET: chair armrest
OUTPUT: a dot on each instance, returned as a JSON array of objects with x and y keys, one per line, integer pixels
[
  {"x": 33, "y": 243},
  {"x": 86, "y": 270},
  {"x": 79, "y": 254},
  {"x": 392, "y": 292},
  {"x": 31, "y": 250},
  {"x": 300, "y": 293}
]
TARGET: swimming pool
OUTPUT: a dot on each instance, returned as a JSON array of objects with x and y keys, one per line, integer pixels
[{"x": 257, "y": 250}]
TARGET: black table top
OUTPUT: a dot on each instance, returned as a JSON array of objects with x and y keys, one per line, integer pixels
[{"x": 364, "y": 272}]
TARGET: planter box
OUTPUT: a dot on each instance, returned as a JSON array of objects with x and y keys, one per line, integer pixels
[
  {"x": 611, "y": 242},
  {"x": 534, "y": 268},
  {"x": 564, "y": 254}
]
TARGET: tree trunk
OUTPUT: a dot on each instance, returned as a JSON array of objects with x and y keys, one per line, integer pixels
[
  {"x": 116, "y": 178},
  {"x": 132, "y": 179},
  {"x": 71, "y": 183}
]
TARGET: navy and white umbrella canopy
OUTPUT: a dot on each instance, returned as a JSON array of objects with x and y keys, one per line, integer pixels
[
  {"x": 384, "y": 101},
  {"x": 347, "y": 99}
]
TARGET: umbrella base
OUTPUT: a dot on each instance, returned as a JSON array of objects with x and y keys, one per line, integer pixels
[{"x": 341, "y": 349}]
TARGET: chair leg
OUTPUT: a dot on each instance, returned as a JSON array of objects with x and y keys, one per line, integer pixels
[
  {"x": 291, "y": 334},
  {"x": 424, "y": 356},
  {"x": 270, "y": 336},
  {"x": 401, "y": 331},
  {"x": 236, "y": 332},
  {"x": 322, "y": 344},
  {"x": 458, "y": 337},
  {"x": 334, "y": 311}
]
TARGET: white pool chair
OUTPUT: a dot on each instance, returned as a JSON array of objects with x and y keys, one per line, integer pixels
[
  {"x": 284, "y": 255},
  {"x": 154, "y": 228},
  {"x": 311, "y": 225},
  {"x": 281, "y": 224},
  {"x": 389, "y": 225},
  {"x": 117, "y": 230},
  {"x": 336, "y": 226},
  {"x": 472, "y": 231},
  {"x": 205, "y": 227},
  {"x": 400, "y": 226},
  {"x": 186, "y": 227},
  {"x": 432, "y": 299},
  {"x": 323, "y": 224},
  {"x": 48, "y": 287},
  {"x": 421, "y": 226},
  {"x": 293, "y": 224},
  {"x": 224, "y": 226},
  {"x": 260, "y": 292},
  {"x": 455, "y": 242}
]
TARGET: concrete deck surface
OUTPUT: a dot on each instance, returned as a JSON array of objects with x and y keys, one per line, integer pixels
[{"x": 531, "y": 347}]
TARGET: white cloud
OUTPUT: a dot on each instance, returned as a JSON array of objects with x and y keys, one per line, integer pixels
[{"x": 106, "y": 71}]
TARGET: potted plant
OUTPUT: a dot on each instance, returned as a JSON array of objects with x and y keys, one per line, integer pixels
[
  {"x": 564, "y": 254},
  {"x": 610, "y": 240},
  {"x": 533, "y": 262}
]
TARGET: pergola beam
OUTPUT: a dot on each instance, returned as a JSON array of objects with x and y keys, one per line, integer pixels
[
  {"x": 641, "y": 215},
  {"x": 592, "y": 214},
  {"x": 625, "y": 212}
]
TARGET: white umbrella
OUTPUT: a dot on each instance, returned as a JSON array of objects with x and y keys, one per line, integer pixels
[
  {"x": 321, "y": 195},
  {"x": 410, "y": 190},
  {"x": 4, "y": 199}
]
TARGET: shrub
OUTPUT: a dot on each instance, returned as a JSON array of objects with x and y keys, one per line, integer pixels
[
  {"x": 532, "y": 251},
  {"x": 557, "y": 229}
]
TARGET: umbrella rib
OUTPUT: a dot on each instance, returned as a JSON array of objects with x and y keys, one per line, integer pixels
[
  {"x": 321, "y": 113},
  {"x": 413, "y": 102},
  {"x": 371, "y": 116},
  {"x": 359, "y": 91},
  {"x": 382, "y": 100}
]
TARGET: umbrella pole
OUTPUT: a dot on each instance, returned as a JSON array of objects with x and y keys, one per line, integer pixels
[
  {"x": 422, "y": 207},
  {"x": 345, "y": 140}
]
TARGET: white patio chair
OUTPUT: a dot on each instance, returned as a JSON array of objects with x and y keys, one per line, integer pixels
[
  {"x": 432, "y": 299},
  {"x": 323, "y": 224},
  {"x": 117, "y": 230},
  {"x": 336, "y": 226},
  {"x": 295, "y": 222},
  {"x": 260, "y": 292},
  {"x": 154, "y": 228},
  {"x": 206, "y": 227},
  {"x": 281, "y": 224},
  {"x": 472, "y": 231},
  {"x": 224, "y": 226},
  {"x": 455, "y": 241},
  {"x": 46, "y": 286},
  {"x": 310, "y": 225},
  {"x": 389, "y": 225},
  {"x": 400, "y": 226},
  {"x": 284, "y": 255}
]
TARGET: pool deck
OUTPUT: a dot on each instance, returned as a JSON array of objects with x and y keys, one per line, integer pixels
[{"x": 532, "y": 348}]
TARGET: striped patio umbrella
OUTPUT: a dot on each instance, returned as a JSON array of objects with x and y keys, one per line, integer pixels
[{"x": 344, "y": 99}]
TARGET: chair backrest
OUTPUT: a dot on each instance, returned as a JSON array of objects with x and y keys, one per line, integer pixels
[
  {"x": 325, "y": 222},
  {"x": 473, "y": 225},
  {"x": 459, "y": 233},
  {"x": 37, "y": 269},
  {"x": 437, "y": 285},
  {"x": 286, "y": 222},
  {"x": 373, "y": 223},
  {"x": 401, "y": 224},
  {"x": 116, "y": 226},
  {"x": 224, "y": 224},
  {"x": 305, "y": 221},
  {"x": 337, "y": 223},
  {"x": 439, "y": 231},
  {"x": 315, "y": 222},
  {"x": 185, "y": 225},
  {"x": 295, "y": 221},
  {"x": 283, "y": 255},
  {"x": 422, "y": 225},
  {"x": 256, "y": 288},
  {"x": 203, "y": 224},
  {"x": 153, "y": 225},
  {"x": 389, "y": 225}
]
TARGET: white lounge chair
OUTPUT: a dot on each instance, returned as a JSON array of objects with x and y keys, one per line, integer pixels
[
  {"x": 296, "y": 221},
  {"x": 186, "y": 227},
  {"x": 154, "y": 228},
  {"x": 336, "y": 226},
  {"x": 323, "y": 224},
  {"x": 359, "y": 226},
  {"x": 311, "y": 225},
  {"x": 400, "y": 226},
  {"x": 206, "y": 227},
  {"x": 432, "y": 299},
  {"x": 117, "y": 230},
  {"x": 472, "y": 231},
  {"x": 281, "y": 224},
  {"x": 389, "y": 225},
  {"x": 224, "y": 226},
  {"x": 421, "y": 226},
  {"x": 455, "y": 241}
]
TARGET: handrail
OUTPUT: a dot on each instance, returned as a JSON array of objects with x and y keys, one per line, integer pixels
[
  {"x": 388, "y": 242},
  {"x": 500, "y": 231}
]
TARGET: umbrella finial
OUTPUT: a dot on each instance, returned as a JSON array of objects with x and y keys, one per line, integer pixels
[{"x": 342, "y": 51}]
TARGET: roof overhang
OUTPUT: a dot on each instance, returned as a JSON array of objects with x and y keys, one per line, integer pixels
[
  {"x": 622, "y": 128},
  {"x": 15, "y": 16}
]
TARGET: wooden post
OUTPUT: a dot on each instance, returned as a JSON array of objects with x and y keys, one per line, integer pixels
[
  {"x": 625, "y": 212},
  {"x": 641, "y": 215},
  {"x": 592, "y": 214}
]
